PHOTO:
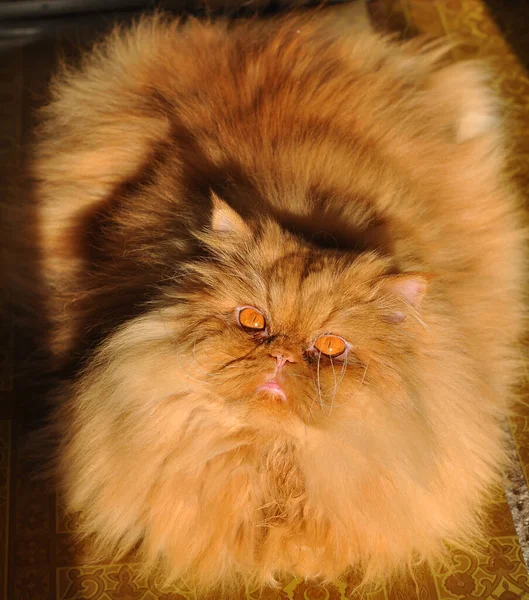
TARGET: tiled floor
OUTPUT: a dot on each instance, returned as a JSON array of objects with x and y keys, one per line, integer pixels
[{"x": 38, "y": 558}]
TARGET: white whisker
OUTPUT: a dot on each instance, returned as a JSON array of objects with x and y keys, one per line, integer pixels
[
  {"x": 319, "y": 384},
  {"x": 301, "y": 376},
  {"x": 358, "y": 389},
  {"x": 333, "y": 394},
  {"x": 198, "y": 367},
  {"x": 184, "y": 370}
]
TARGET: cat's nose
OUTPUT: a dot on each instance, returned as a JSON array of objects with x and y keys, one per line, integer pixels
[{"x": 282, "y": 357}]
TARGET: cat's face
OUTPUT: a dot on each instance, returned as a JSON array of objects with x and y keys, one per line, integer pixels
[{"x": 273, "y": 323}]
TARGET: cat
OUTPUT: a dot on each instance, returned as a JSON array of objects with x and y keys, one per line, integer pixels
[{"x": 285, "y": 267}]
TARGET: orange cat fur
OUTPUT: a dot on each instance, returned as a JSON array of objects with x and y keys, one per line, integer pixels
[{"x": 339, "y": 185}]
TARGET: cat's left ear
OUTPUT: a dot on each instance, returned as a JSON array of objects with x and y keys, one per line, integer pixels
[
  {"x": 224, "y": 219},
  {"x": 465, "y": 101},
  {"x": 410, "y": 289}
]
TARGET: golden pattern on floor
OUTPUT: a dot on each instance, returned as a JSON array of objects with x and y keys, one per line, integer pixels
[{"x": 38, "y": 557}]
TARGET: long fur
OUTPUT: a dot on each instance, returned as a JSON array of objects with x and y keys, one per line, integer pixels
[{"x": 344, "y": 165}]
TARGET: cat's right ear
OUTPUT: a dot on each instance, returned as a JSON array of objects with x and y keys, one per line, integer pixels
[
  {"x": 409, "y": 290},
  {"x": 465, "y": 101},
  {"x": 225, "y": 220}
]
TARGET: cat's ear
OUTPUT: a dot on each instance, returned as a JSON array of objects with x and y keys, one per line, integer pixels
[
  {"x": 465, "y": 100},
  {"x": 224, "y": 219},
  {"x": 410, "y": 289}
]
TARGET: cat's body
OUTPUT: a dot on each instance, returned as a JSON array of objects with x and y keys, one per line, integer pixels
[{"x": 367, "y": 204}]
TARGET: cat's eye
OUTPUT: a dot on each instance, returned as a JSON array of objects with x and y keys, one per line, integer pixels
[
  {"x": 330, "y": 345},
  {"x": 251, "y": 319}
]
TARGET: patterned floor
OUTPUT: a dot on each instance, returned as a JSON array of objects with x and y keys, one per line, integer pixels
[{"x": 38, "y": 558}]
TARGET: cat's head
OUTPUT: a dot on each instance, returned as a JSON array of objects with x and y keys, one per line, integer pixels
[{"x": 270, "y": 321}]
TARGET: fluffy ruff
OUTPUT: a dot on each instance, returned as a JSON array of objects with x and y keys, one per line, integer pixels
[{"x": 373, "y": 463}]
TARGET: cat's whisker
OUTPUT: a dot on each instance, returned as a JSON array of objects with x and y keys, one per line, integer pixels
[
  {"x": 323, "y": 392},
  {"x": 219, "y": 367},
  {"x": 337, "y": 384},
  {"x": 198, "y": 367},
  {"x": 309, "y": 406},
  {"x": 319, "y": 384},
  {"x": 312, "y": 398},
  {"x": 185, "y": 371},
  {"x": 301, "y": 376},
  {"x": 227, "y": 366},
  {"x": 342, "y": 373},
  {"x": 332, "y": 405},
  {"x": 364, "y": 375},
  {"x": 235, "y": 360},
  {"x": 310, "y": 411},
  {"x": 358, "y": 388}
]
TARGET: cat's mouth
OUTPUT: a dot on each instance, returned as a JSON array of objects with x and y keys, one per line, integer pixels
[{"x": 274, "y": 388}]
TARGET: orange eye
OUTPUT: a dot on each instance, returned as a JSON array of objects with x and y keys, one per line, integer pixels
[
  {"x": 251, "y": 318},
  {"x": 330, "y": 345}
]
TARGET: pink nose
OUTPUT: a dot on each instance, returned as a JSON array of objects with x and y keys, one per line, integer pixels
[{"x": 282, "y": 357}]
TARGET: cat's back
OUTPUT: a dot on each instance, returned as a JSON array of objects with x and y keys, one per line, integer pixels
[
  {"x": 293, "y": 117},
  {"x": 298, "y": 105}
]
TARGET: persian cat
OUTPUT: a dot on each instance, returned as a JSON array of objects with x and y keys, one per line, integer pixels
[{"x": 285, "y": 269}]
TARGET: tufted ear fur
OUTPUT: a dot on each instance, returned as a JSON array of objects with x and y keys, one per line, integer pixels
[
  {"x": 224, "y": 219},
  {"x": 465, "y": 100},
  {"x": 410, "y": 289}
]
